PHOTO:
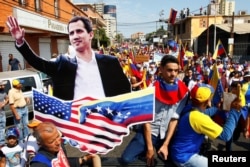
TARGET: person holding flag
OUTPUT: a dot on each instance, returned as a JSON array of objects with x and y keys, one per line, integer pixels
[
  {"x": 219, "y": 50},
  {"x": 245, "y": 90},
  {"x": 215, "y": 82},
  {"x": 196, "y": 123}
]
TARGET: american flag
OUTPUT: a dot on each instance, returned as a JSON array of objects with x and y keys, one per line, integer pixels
[{"x": 96, "y": 126}]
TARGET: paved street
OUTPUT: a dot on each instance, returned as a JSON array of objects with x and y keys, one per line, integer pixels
[{"x": 241, "y": 145}]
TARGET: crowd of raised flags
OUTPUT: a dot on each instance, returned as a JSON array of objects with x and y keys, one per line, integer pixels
[
  {"x": 210, "y": 67},
  {"x": 135, "y": 66}
]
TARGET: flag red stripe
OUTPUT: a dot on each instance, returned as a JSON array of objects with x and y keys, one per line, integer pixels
[
  {"x": 111, "y": 136},
  {"x": 84, "y": 127},
  {"x": 97, "y": 132},
  {"x": 143, "y": 118}
]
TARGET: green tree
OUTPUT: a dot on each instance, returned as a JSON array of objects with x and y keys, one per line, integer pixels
[
  {"x": 100, "y": 38},
  {"x": 119, "y": 38}
]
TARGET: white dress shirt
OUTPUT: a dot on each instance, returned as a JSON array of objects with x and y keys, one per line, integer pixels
[{"x": 88, "y": 80}]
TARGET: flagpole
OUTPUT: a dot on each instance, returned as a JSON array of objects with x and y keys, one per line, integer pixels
[
  {"x": 207, "y": 47},
  {"x": 215, "y": 3}
]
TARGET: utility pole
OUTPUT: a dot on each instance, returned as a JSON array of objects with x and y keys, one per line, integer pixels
[
  {"x": 232, "y": 38},
  {"x": 215, "y": 13},
  {"x": 207, "y": 47}
]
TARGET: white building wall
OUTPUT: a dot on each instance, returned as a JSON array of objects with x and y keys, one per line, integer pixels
[{"x": 111, "y": 29}]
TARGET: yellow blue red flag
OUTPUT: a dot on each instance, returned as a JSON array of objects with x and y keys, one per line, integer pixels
[
  {"x": 96, "y": 126},
  {"x": 219, "y": 50},
  {"x": 215, "y": 82}
]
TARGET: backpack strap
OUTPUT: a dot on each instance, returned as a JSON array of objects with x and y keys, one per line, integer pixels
[{"x": 40, "y": 158}]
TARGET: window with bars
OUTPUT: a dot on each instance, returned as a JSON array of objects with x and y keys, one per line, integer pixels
[{"x": 203, "y": 23}]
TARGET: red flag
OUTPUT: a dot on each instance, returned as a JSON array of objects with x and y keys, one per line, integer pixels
[
  {"x": 133, "y": 70},
  {"x": 131, "y": 55},
  {"x": 172, "y": 16}
]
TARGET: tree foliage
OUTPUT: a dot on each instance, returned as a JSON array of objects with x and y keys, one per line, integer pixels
[{"x": 100, "y": 35}]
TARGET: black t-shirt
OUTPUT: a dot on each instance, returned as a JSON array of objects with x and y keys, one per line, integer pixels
[{"x": 1, "y": 154}]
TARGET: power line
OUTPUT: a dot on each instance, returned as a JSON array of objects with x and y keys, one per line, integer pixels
[{"x": 135, "y": 24}]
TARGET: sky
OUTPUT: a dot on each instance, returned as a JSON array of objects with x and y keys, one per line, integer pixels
[{"x": 143, "y": 15}]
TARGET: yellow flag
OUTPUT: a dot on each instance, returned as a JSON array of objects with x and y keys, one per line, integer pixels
[{"x": 50, "y": 90}]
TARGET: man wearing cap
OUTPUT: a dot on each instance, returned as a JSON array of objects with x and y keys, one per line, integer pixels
[
  {"x": 3, "y": 101},
  {"x": 196, "y": 123},
  {"x": 18, "y": 105},
  {"x": 12, "y": 151}
]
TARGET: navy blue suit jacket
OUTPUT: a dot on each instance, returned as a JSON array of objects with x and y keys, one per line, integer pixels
[{"x": 63, "y": 73}]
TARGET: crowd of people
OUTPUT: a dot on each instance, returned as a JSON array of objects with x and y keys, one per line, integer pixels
[
  {"x": 184, "y": 108},
  {"x": 234, "y": 78}
]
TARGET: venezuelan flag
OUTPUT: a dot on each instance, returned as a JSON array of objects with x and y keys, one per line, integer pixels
[
  {"x": 133, "y": 70},
  {"x": 219, "y": 50},
  {"x": 96, "y": 126},
  {"x": 215, "y": 82}
]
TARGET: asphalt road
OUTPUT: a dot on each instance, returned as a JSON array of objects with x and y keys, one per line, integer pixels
[{"x": 241, "y": 145}]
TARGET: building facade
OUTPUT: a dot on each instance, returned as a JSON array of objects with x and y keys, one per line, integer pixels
[
  {"x": 227, "y": 7},
  {"x": 106, "y": 15},
  {"x": 212, "y": 28},
  {"x": 138, "y": 37},
  {"x": 109, "y": 12},
  {"x": 99, "y": 7},
  {"x": 111, "y": 27}
]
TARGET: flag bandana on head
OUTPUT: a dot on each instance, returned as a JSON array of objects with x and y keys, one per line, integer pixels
[{"x": 96, "y": 126}]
